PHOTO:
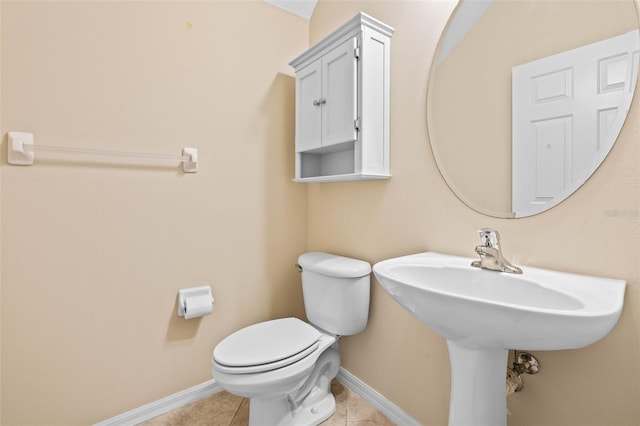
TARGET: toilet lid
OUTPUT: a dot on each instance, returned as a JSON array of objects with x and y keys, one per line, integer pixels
[{"x": 260, "y": 346}]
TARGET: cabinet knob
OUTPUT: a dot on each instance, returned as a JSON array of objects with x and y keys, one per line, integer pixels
[{"x": 319, "y": 102}]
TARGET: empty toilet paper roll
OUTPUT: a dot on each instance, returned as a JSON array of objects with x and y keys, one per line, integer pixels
[{"x": 197, "y": 306}]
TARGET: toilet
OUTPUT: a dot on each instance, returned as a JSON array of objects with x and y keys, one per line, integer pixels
[{"x": 285, "y": 366}]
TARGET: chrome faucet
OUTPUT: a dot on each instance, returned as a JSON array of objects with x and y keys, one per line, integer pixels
[{"x": 490, "y": 253}]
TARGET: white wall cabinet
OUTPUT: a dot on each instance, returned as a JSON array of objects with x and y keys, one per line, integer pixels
[{"x": 342, "y": 104}]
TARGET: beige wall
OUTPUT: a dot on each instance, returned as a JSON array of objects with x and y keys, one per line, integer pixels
[
  {"x": 596, "y": 232},
  {"x": 96, "y": 250},
  {"x": 93, "y": 254},
  {"x": 0, "y": 221}
]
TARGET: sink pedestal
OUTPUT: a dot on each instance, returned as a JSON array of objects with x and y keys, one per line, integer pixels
[
  {"x": 475, "y": 309},
  {"x": 478, "y": 392}
]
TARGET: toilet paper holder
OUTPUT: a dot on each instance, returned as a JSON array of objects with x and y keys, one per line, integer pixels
[{"x": 202, "y": 293}]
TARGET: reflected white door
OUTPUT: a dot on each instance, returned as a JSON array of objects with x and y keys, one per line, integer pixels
[{"x": 567, "y": 112}]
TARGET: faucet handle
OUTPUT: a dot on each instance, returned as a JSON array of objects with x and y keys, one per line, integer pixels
[{"x": 489, "y": 237}]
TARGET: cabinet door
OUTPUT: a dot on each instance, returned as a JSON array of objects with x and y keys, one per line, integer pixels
[
  {"x": 339, "y": 93},
  {"x": 308, "y": 108}
]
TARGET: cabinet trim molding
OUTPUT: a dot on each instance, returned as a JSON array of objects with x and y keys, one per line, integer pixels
[{"x": 351, "y": 26}]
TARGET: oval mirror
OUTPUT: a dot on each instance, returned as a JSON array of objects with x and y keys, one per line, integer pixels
[{"x": 526, "y": 98}]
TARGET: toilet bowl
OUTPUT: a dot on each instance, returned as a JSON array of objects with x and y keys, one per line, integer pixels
[
  {"x": 274, "y": 386},
  {"x": 285, "y": 366}
]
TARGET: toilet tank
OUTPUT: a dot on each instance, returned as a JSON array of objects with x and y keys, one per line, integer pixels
[{"x": 336, "y": 292}]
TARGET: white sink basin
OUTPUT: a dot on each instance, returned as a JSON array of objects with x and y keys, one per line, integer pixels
[
  {"x": 538, "y": 310},
  {"x": 483, "y": 314}
]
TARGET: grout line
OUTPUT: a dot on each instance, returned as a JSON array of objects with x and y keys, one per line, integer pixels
[{"x": 235, "y": 414}]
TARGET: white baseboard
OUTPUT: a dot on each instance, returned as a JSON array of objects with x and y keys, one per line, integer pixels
[
  {"x": 164, "y": 405},
  {"x": 203, "y": 390},
  {"x": 379, "y": 402}
]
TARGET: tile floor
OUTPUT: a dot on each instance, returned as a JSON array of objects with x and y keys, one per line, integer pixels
[{"x": 225, "y": 409}]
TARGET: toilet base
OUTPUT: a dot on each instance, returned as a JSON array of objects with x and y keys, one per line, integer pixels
[
  {"x": 310, "y": 405},
  {"x": 316, "y": 413},
  {"x": 277, "y": 412}
]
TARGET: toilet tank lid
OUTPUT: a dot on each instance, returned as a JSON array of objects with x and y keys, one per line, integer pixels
[{"x": 333, "y": 265}]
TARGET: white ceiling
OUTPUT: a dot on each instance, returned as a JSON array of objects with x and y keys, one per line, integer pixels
[{"x": 302, "y": 8}]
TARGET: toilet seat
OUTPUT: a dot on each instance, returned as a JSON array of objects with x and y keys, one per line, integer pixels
[{"x": 266, "y": 346}]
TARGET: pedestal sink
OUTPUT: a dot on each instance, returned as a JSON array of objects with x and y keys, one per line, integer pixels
[{"x": 483, "y": 314}]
